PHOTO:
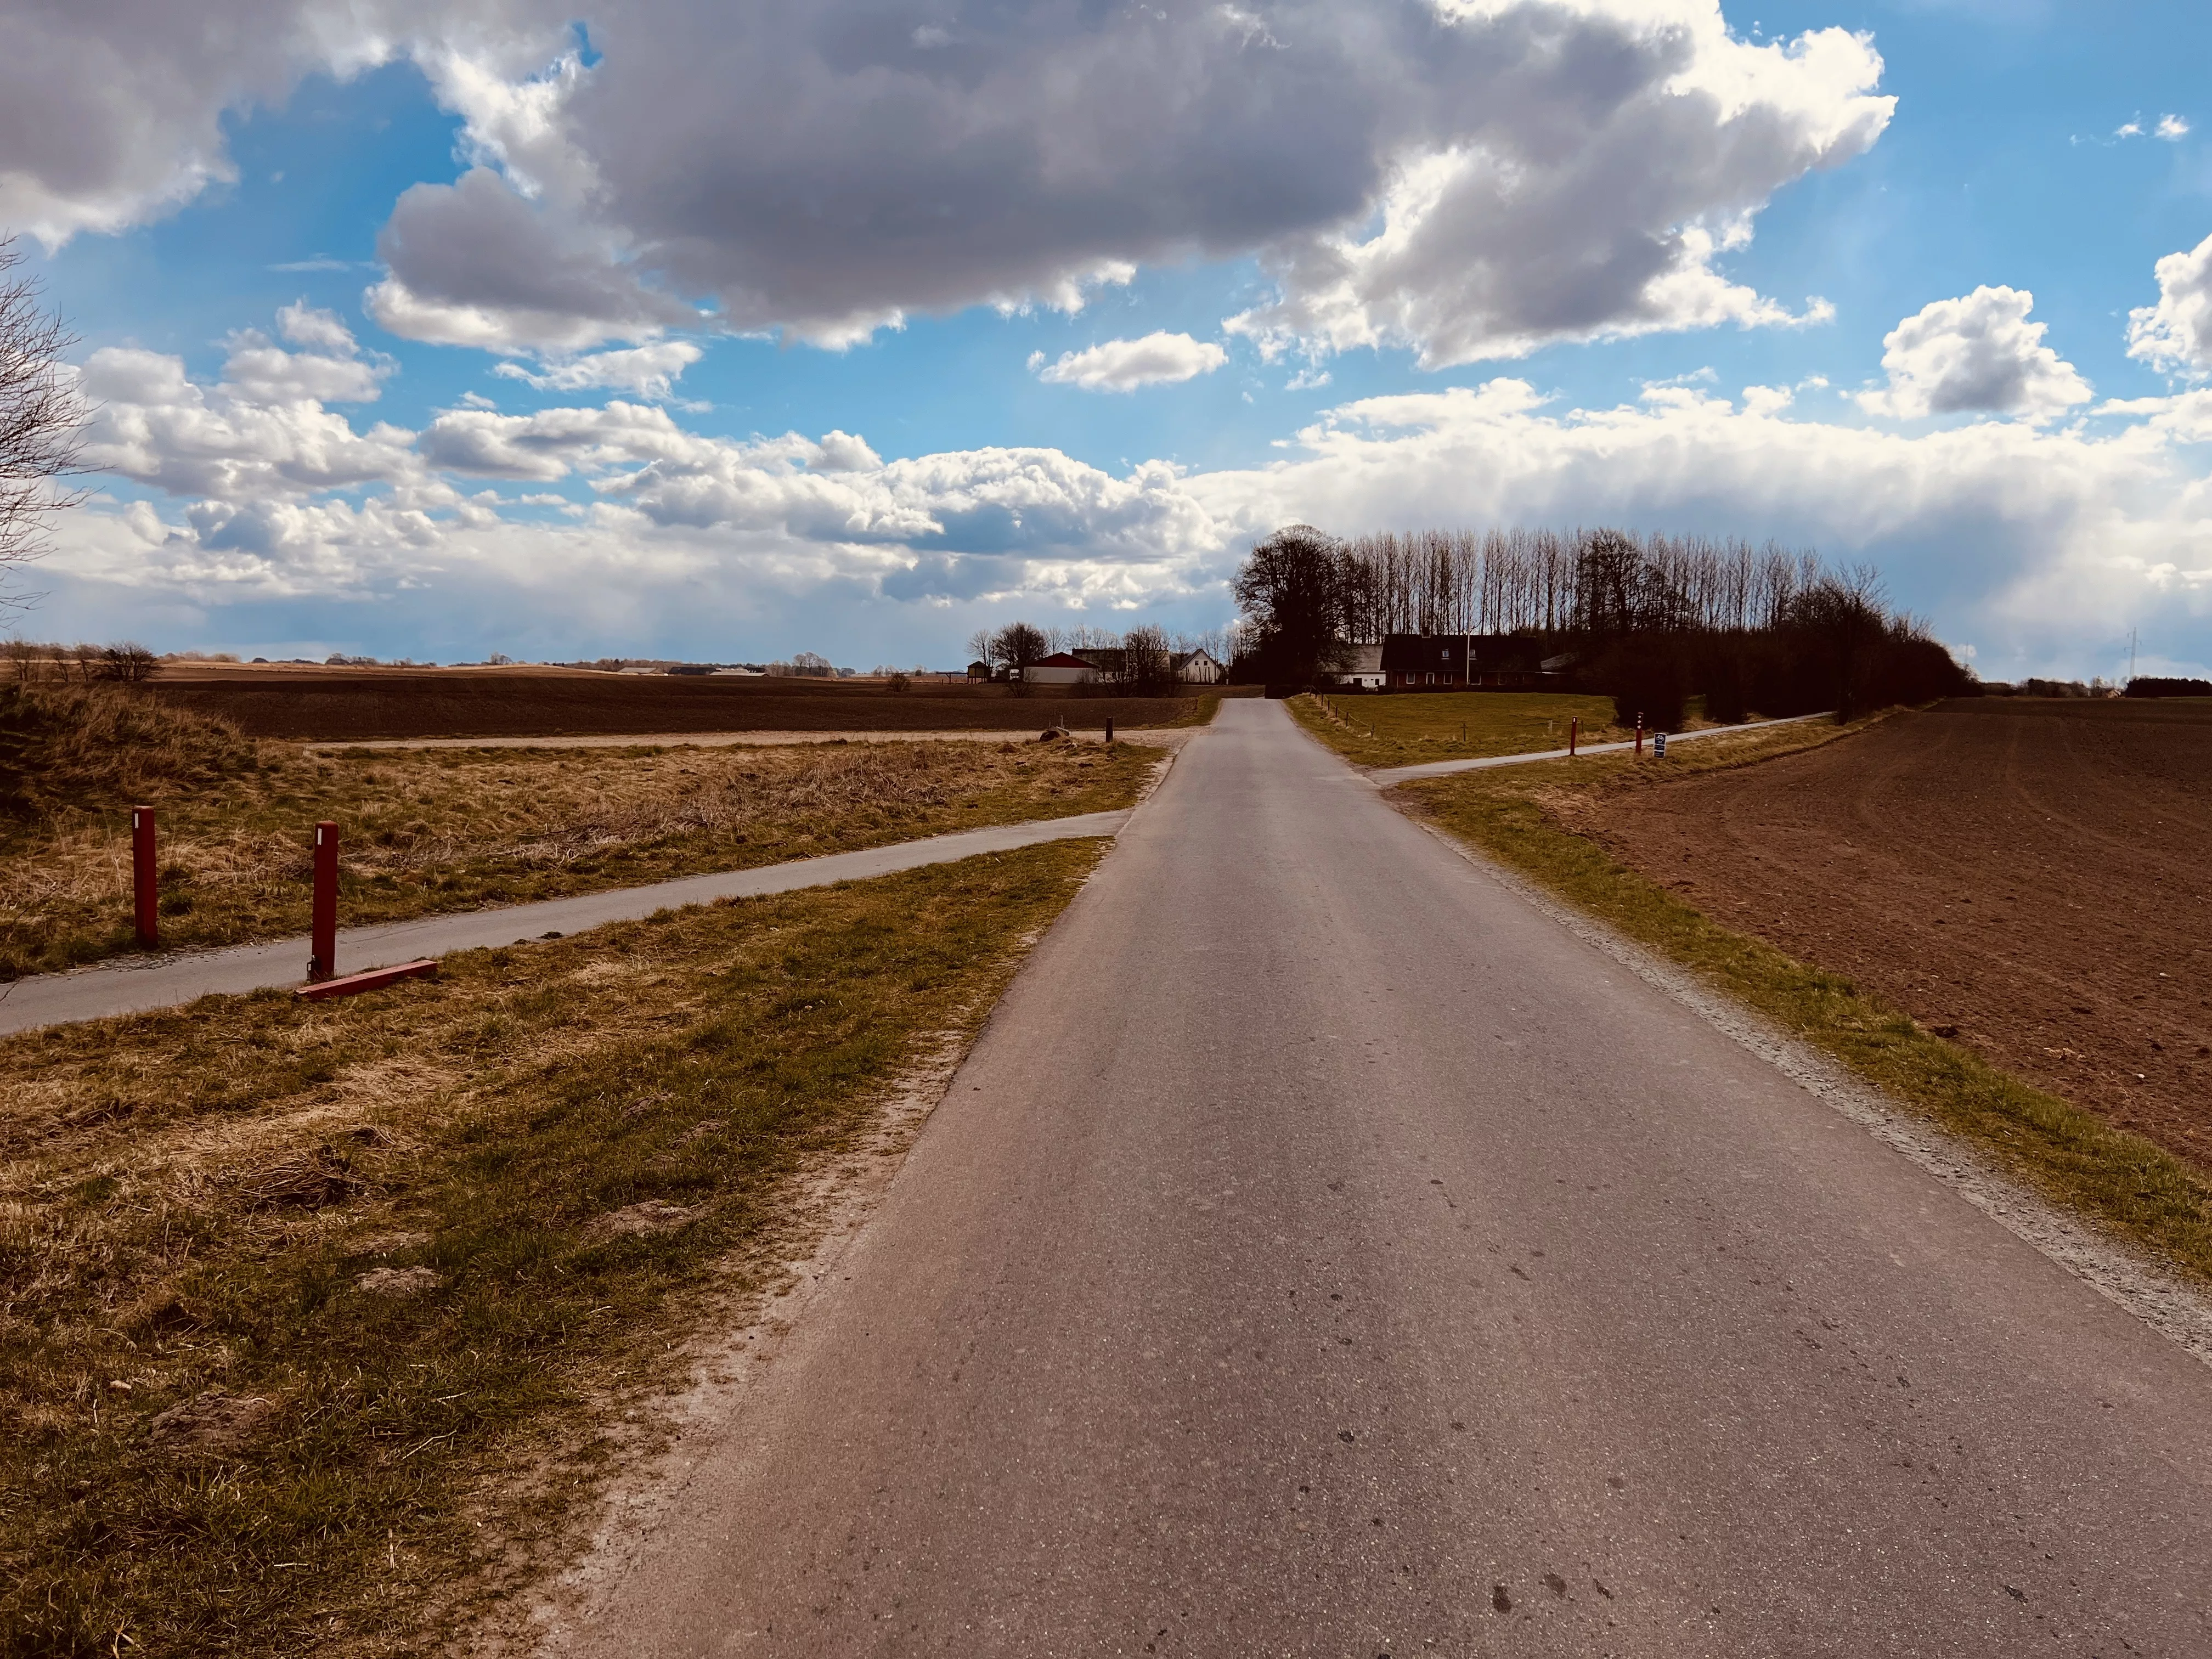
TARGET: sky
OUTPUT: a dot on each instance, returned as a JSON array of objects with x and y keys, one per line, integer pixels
[{"x": 665, "y": 328}]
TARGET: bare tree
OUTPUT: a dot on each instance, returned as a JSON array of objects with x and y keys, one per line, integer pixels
[
  {"x": 1146, "y": 661},
  {"x": 1019, "y": 644},
  {"x": 41, "y": 416}
]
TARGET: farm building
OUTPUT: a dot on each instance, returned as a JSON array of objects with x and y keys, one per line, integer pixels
[
  {"x": 1197, "y": 668},
  {"x": 1363, "y": 668},
  {"x": 1424, "y": 661},
  {"x": 1059, "y": 669}
]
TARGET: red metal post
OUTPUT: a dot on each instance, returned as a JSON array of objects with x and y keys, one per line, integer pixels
[
  {"x": 1640, "y": 734},
  {"x": 145, "y": 877},
  {"x": 1574, "y": 734},
  {"x": 324, "y": 929}
]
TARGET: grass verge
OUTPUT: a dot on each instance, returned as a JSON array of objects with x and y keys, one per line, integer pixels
[
  {"x": 290, "y": 1293},
  {"x": 1407, "y": 728},
  {"x": 423, "y": 832},
  {"x": 1527, "y": 819}
]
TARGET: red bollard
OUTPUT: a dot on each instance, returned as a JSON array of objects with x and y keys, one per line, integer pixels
[
  {"x": 145, "y": 877},
  {"x": 1574, "y": 734},
  {"x": 1640, "y": 734},
  {"x": 322, "y": 963}
]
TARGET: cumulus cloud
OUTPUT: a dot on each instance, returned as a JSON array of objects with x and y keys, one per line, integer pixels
[
  {"x": 2176, "y": 334},
  {"x": 1124, "y": 365},
  {"x": 648, "y": 371},
  {"x": 262, "y": 432},
  {"x": 112, "y": 110},
  {"x": 473, "y": 263},
  {"x": 1979, "y": 354},
  {"x": 1466, "y": 178},
  {"x": 2172, "y": 128}
]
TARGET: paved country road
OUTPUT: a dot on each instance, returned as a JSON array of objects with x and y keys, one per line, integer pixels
[{"x": 1324, "y": 1252}]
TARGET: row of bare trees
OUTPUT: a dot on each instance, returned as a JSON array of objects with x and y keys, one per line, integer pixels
[
  {"x": 1553, "y": 582},
  {"x": 1649, "y": 619}
]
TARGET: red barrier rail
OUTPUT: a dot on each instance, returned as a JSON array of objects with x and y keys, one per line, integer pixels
[{"x": 352, "y": 984}]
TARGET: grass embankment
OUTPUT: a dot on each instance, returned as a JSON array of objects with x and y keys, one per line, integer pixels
[
  {"x": 1408, "y": 729},
  {"x": 454, "y": 829},
  {"x": 315, "y": 1315},
  {"x": 1528, "y": 817}
]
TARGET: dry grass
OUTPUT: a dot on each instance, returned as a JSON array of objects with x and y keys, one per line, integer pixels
[
  {"x": 1407, "y": 728},
  {"x": 1530, "y": 817},
  {"x": 294, "y": 1299},
  {"x": 450, "y": 830},
  {"x": 62, "y": 745}
]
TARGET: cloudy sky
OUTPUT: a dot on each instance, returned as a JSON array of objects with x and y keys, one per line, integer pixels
[{"x": 666, "y": 327}]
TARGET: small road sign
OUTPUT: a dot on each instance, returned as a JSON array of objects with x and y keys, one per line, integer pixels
[{"x": 1658, "y": 745}]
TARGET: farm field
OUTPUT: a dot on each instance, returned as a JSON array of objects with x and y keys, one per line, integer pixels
[
  {"x": 1410, "y": 727},
  {"x": 2027, "y": 876},
  {"x": 450, "y": 829},
  {"x": 364, "y": 705}
]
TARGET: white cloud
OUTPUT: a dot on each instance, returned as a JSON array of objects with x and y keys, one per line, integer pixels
[
  {"x": 2176, "y": 334},
  {"x": 262, "y": 432},
  {"x": 114, "y": 113},
  {"x": 2172, "y": 128},
  {"x": 1573, "y": 209},
  {"x": 1978, "y": 355},
  {"x": 2023, "y": 538},
  {"x": 1124, "y": 365},
  {"x": 1466, "y": 178},
  {"x": 648, "y": 371}
]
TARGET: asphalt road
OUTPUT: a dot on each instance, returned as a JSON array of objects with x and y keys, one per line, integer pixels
[{"x": 1325, "y": 1253}]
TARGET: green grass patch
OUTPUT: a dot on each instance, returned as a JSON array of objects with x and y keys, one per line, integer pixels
[
  {"x": 1527, "y": 819},
  {"x": 1407, "y": 728},
  {"x": 429, "y": 830},
  {"x": 394, "y": 1265}
]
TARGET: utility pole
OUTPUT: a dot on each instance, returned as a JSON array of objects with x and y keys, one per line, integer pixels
[{"x": 2132, "y": 633}]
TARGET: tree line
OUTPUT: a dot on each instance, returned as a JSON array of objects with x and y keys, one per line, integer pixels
[
  {"x": 1140, "y": 660},
  {"x": 1649, "y": 619}
]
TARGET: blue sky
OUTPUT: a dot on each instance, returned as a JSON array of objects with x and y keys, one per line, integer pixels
[{"x": 363, "y": 488}]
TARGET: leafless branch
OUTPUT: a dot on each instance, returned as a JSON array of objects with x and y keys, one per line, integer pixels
[{"x": 41, "y": 416}]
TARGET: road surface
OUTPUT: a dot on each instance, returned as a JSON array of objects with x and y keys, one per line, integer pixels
[
  {"x": 139, "y": 983},
  {"x": 1325, "y": 1253}
]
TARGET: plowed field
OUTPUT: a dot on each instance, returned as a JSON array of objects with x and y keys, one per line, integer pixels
[
  {"x": 2032, "y": 877},
  {"x": 339, "y": 705}
]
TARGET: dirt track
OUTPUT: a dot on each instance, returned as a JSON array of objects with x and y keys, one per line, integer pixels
[
  {"x": 339, "y": 706},
  {"x": 2032, "y": 873}
]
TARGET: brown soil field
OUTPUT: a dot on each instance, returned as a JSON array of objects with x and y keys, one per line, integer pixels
[
  {"x": 2027, "y": 876},
  {"x": 364, "y": 705}
]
